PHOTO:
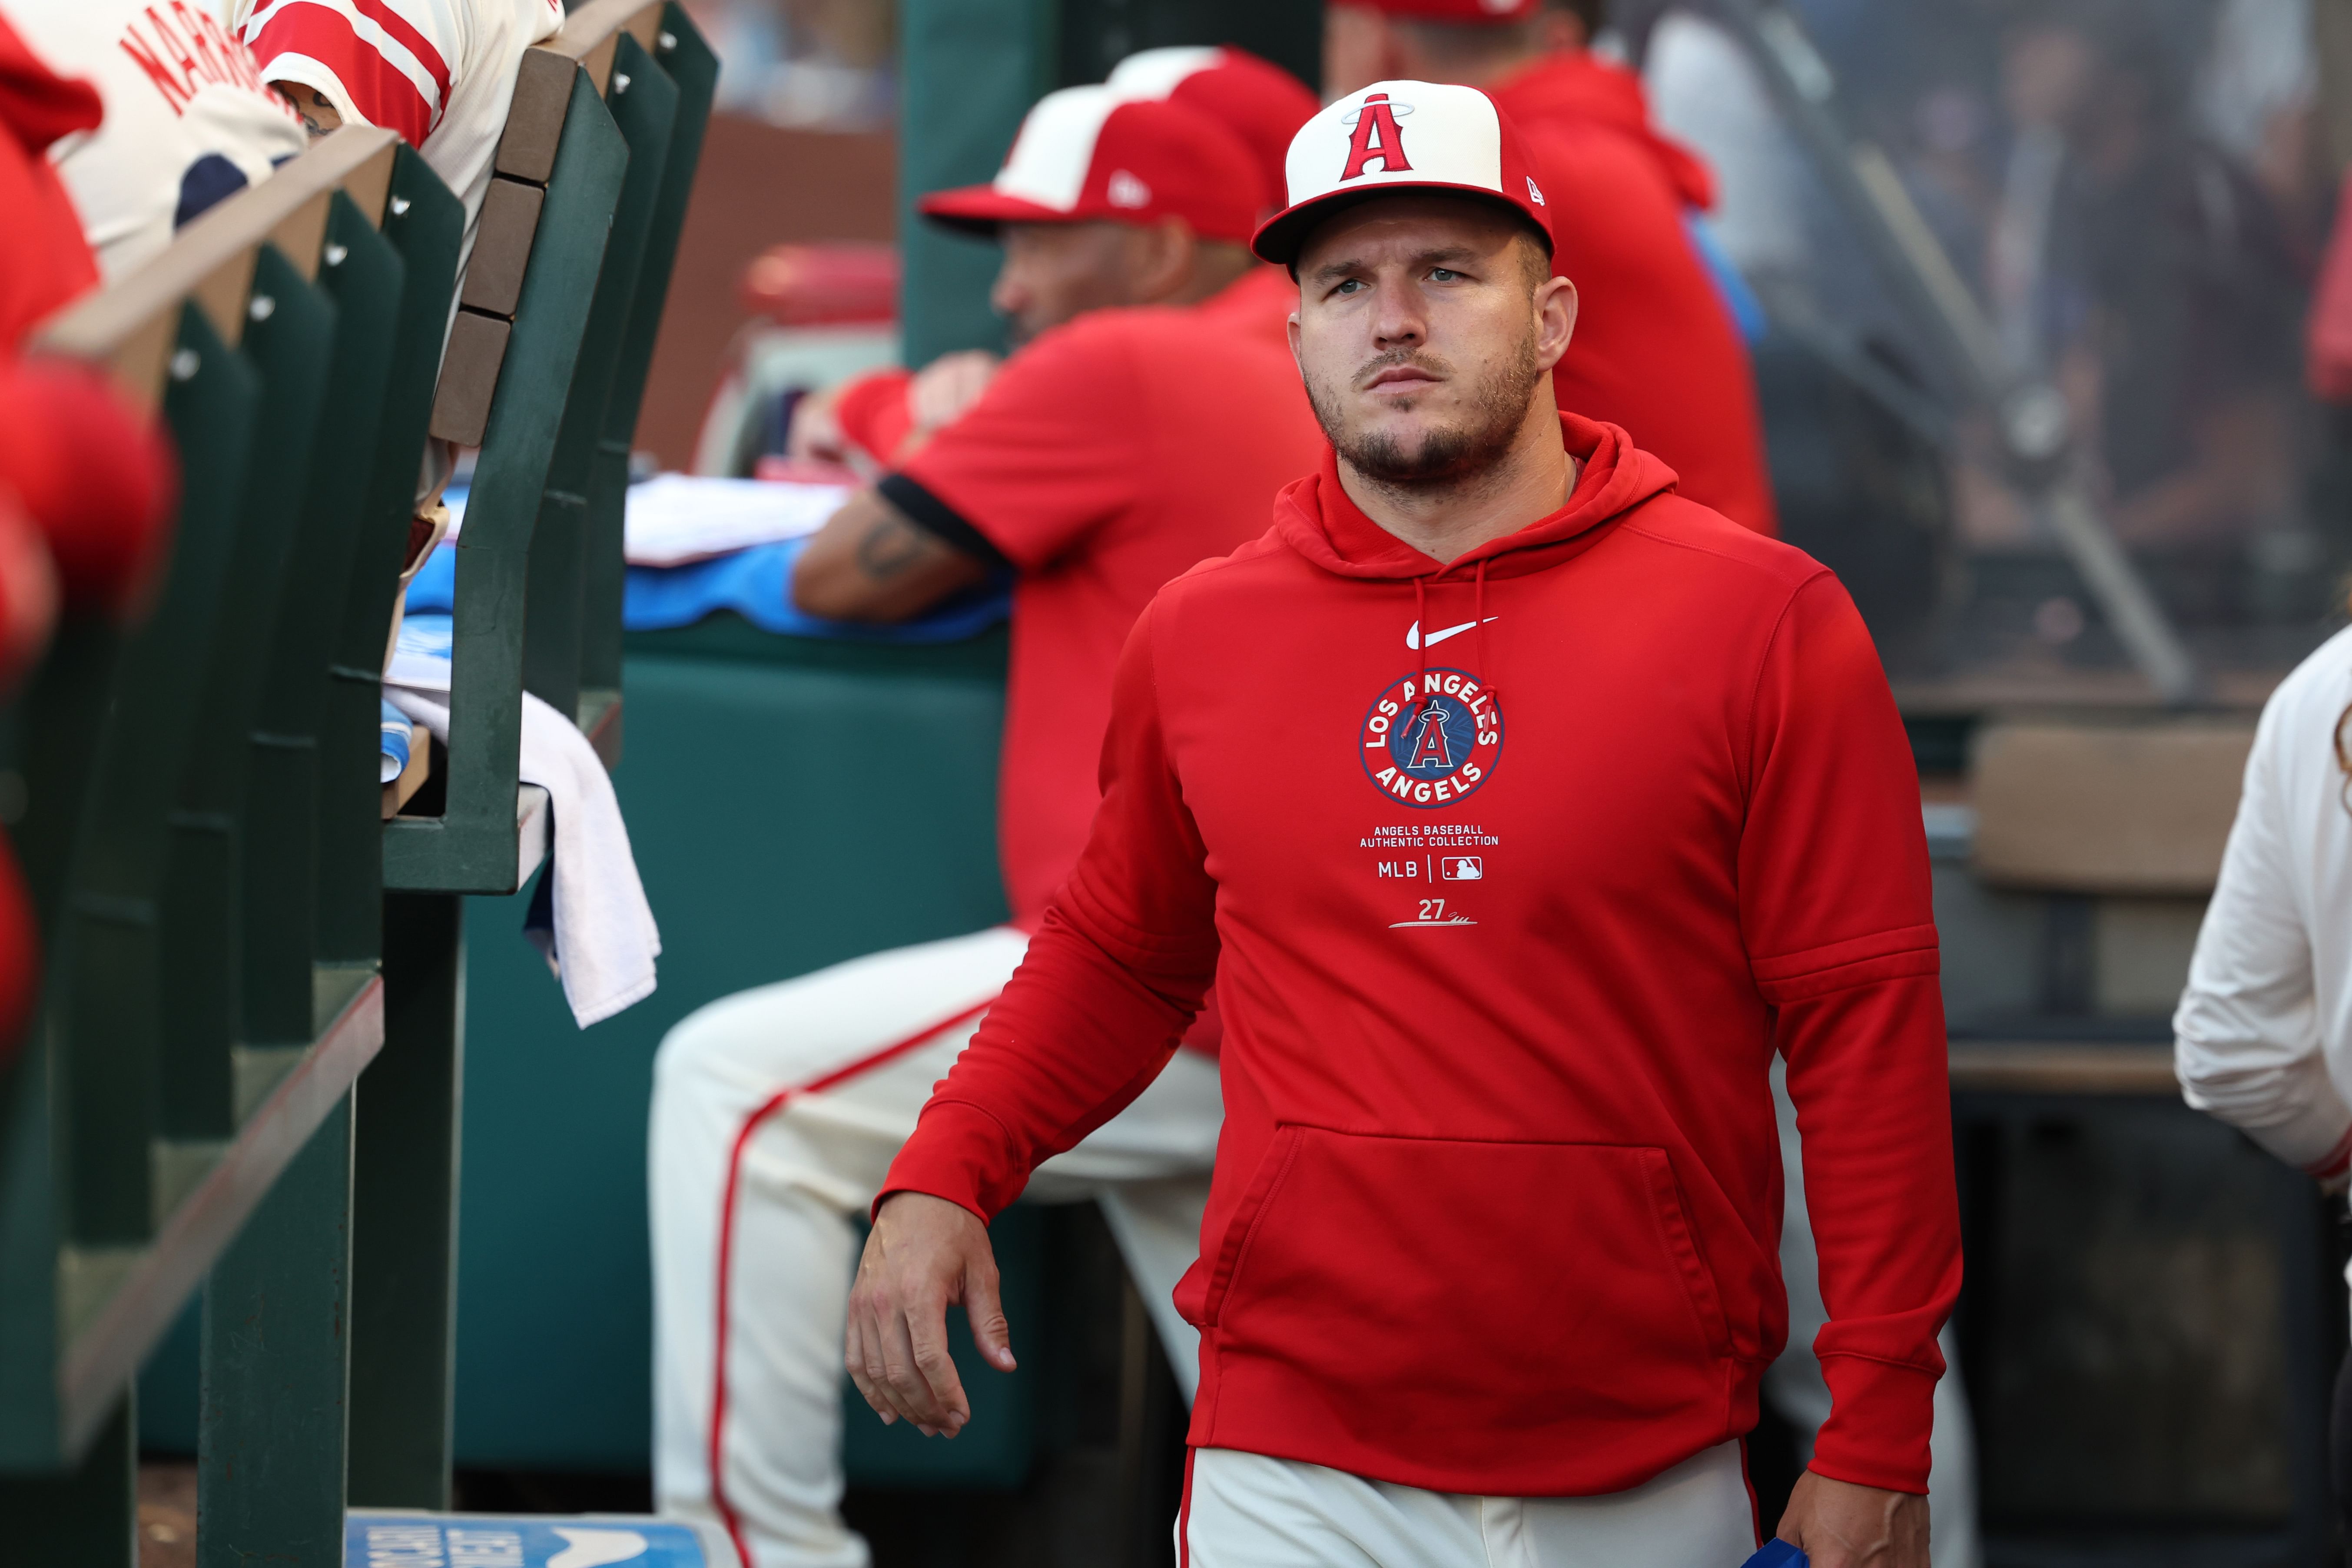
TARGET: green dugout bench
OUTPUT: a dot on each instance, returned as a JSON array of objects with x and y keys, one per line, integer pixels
[{"x": 236, "y": 1104}]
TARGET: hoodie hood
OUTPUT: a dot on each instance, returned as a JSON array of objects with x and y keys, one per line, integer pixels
[
  {"x": 38, "y": 105},
  {"x": 1315, "y": 516},
  {"x": 1574, "y": 87}
]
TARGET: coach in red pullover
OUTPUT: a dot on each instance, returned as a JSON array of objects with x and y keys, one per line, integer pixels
[{"x": 1506, "y": 921}]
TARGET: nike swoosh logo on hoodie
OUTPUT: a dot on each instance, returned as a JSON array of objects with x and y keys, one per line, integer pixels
[{"x": 1413, "y": 637}]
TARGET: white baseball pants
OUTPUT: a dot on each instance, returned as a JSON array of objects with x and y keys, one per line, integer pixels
[
  {"x": 776, "y": 1113},
  {"x": 1247, "y": 1510}
]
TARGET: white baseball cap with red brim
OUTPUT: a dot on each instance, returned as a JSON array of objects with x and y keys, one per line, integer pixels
[
  {"x": 1397, "y": 136},
  {"x": 1256, "y": 100},
  {"x": 1094, "y": 153}
]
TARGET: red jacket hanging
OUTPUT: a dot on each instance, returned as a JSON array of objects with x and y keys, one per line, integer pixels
[
  {"x": 1512, "y": 874},
  {"x": 47, "y": 262},
  {"x": 1655, "y": 349}
]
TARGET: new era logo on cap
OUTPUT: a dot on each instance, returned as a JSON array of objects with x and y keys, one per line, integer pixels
[{"x": 1400, "y": 135}]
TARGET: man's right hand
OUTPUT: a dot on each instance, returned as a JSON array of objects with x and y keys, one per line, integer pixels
[
  {"x": 923, "y": 1253},
  {"x": 1842, "y": 1525}
]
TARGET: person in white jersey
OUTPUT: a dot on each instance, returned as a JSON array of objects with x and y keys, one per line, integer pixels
[
  {"x": 189, "y": 118},
  {"x": 440, "y": 72},
  {"x": 2263, "y": 1038}
]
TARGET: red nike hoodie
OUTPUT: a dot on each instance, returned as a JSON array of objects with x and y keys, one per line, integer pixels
[{"x": 1513, "y": 873}]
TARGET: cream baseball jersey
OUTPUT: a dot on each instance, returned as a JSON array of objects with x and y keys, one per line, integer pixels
[
  {"x": 440, "y": 72},
  {"x": 189, "y": 118}
]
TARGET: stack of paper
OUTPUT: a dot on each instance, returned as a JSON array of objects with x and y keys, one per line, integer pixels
[{"x": 677, "y": 518}]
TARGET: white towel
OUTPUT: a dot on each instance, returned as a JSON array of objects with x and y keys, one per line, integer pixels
[{"x": 605, "y": 938}]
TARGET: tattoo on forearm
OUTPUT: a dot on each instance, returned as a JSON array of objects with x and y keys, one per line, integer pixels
[{"x": 891, "y": 546}]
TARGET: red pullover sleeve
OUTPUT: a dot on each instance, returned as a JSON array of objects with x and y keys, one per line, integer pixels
[
  {"x": 1110, "y": 982},
  {"x": 1836, "y": 910},
  {"x": 872, "y": 413}
]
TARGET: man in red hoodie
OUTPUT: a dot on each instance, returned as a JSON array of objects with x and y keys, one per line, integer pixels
[
  {"x": 1505, "y": 939},
  {"x": 1656, "y": 348}
]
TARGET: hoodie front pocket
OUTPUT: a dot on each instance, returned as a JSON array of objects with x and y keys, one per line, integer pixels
[{"x": 1537, "y": 1284}]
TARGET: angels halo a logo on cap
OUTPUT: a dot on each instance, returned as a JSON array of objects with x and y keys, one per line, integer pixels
[
  {"x": 1375, "y": 135},
  {"x": 1431, "y": 745}
]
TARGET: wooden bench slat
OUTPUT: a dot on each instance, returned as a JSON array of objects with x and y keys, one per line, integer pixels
[
  {"x": 469, "y": 377},
  {"x": 542, "y": 95},
  {"x": 2122, "y": 808},
  {"x": 502, "y": 246},
  {"x": 2037, "y": 1067}
]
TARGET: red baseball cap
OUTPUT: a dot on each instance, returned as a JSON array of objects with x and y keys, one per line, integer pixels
[
  {"x": 1401, "y": 136},
  {"x": 1452, "y": 10},
  {"x": 1256, "y": 100},
  {"x": 1094, "y": 153}
]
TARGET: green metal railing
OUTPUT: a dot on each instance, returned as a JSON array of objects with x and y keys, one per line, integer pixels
[{"x": 232, "y": 934}]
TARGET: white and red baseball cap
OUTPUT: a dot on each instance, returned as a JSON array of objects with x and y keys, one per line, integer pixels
[
  {"x": 1452, "y": 10},
  {"x": 1396, "y": 136},
  {"x": 1094, "y": 153},
  {"x": 1256, "y": 100}
]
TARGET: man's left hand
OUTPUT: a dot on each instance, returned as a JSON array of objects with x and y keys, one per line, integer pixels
[
  {"x": 944, "y": 389},
  {"x": 1841, "y": 1525}
]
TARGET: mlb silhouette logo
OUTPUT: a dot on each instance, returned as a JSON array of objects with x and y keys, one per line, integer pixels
[{"x": 1461, "y": 868}]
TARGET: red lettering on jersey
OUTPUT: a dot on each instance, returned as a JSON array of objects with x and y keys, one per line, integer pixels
[
  {"x": 175, "y": 92},
  {"x": 1376, "y": 136},
  {"x": 199, "y": 30},
  {"x": 175, "y": 48},
  {"x": 1429, "y": 748}
]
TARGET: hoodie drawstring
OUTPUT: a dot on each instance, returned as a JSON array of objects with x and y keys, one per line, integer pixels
[
  {"x": 1486, "y": 662},
  {"x": 1421, "y": 636}
]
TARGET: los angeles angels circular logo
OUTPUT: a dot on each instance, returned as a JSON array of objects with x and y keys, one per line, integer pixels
[{"x": 1431, "y": 745}]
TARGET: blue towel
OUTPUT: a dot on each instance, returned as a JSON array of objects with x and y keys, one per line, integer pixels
[
  {"x": 751, "y": 582},
  {"x": 397, "y": 738},
  {"x": 1778, "y": 1553},
  {"x": 434, "y": 586}
]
